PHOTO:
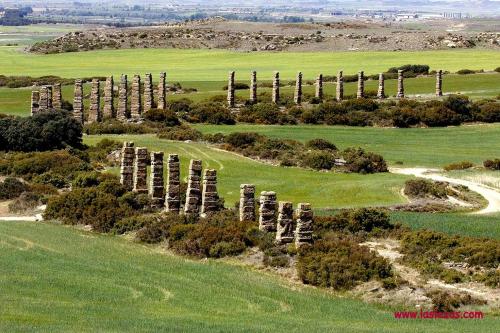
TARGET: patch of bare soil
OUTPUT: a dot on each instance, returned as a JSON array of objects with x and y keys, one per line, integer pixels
[
  {"x": 413, "y": 292},
  {"x": 217, "y": 33}
]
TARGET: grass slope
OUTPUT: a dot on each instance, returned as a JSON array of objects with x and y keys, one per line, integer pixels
[
  {"x": 206, "y": 65},
  {"x": 323, "y": 190},
  {"x": 58, "y": 279},
  {"x": 429, "y": 147}
]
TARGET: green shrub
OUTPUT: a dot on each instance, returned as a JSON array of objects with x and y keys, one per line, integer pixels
[
  {"x": 488, "y": 112},
  {"x": 318, "y": 160},
  {"x": 51, "y": 178},
  {"x": 224, "y": 249},
  {"x": 357, "y": 160},
  {"x": 321, "y": 144},
  {"x": 113, "y": 126},
  {"x": 167, "y": 117},
  {"x": 261, "y": 113},
  {"x": 459, "y": 166},
  {"x": 466, "y": 71},
  {"x": 417, "y": 69},
  {"x": 12, "y": 188},
  {"x": 445, "y": 301},
  {"x": 180, "y": 133},
  {"x": 339, "y": 263},
  {"x": 492, "y": 164},
  {"x": 26, "y": 202},
  {"x": 242, "y": 140},
  {"x": 89, "y": 206},
  {"x": 368, "y": 219},
  {"x": 212, "y": 113},
  {"x": 421, "y": 188}
]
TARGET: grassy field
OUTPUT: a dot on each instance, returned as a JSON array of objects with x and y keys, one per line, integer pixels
[
  {"x": 29, "y": 34},
  {"x": 59, "y": 279},
  {"x": 209, "y": 65},
  {"x": 323, "y": 190},
  {"x": 17, "y": 101},
  {"x": 452, "y": 223},
  {"x": 483, "y": 176},
  {"x": 429, "y": 147}
]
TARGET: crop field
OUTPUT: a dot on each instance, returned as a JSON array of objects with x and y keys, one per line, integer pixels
[
  {"x": 140, "y": 288},
  {"x": 323, "y": 189},
  {"x": 29, "y": 34},
  {"x": 425, "y": 147},
  {"x": 210, "y": 65},
  {"x": 16, "y": 101}
]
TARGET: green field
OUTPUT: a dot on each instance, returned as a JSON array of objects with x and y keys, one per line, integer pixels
[
  {"x": 59, "y": 279},
  {"x": 17, "y": 101},
  {"x": 29, "y": 34},
  {"x": 426, "y": 147},
  {"x": 322, "y": 189},
  {"x": 213, "y": 65}
]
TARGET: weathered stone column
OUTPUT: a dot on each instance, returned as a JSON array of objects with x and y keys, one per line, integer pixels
[
  {"x": 297, "y": 97},
  {"x": 439, "y": 83},
  {"x": 340, "y": 86},
  {"x": 135, "y": 98},
  {"x": 210, "y": 197},
  {"x": 78, "y": 101},
  {"x": 267, "y": 211},
  {"x": 381, "y": 86},
  {"x": 285, "y": 226},
  {"x": 361, "y": 85},
  {"x": 162, "y": 92},
  {"x": 35, "y": 99},
  {"x": 127, "y": 165},
  {"x": 247, "y": 202},
  {"x": 149, "y": 101},
  {"x": 57, "y": 96},
  {"x": 319, "y": 87},
  {"x": 193, "y": 193},
  {"x": 230, "y": 90},
  {"x": 173, "y": 197},
  {"x": 43, "y": 103},
  {"x": 109, "y": 99},
  {"x": 276, "y": 88},
  {"x": 156, "y": 186},
  {"x": 141, "y": 170},
  {"x": 304, "y": 230},
  {"x": 253, "y": 88},
  {"x": 122, "y": 113},
  {"x": 95, "y": 102},
  {"x": 401, "y": 88}
]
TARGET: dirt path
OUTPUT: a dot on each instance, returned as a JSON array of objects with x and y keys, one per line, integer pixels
[
  {"x": 4, "y": 216},
  {"x": 489, "y": 193}
]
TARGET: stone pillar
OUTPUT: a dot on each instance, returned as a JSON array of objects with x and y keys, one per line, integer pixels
[
  {"x": 298, "y": 89},
  {"x": 95, "y": 102},
  {"x": 253, "y": 88},
  {"x": 78, "y": 101},
  {"x": 156, "y": 187},
  {"x": 57, "y": 96},
  {"x": 276, "y": 88},
  {"x": 401, "y": 88},
  {"x": 35, "y": 99},
  {"x": 247, "y": 202},
  {"x": 319, "y": 87},
  {"x": 230, "y": 90},
  {"x": 361, "y": 85},
  {"x": 193, "y": 194},
  {"x": 173, "y": 197},
  {"x": 381, "y": 86},
  {"x": 340, "y": 86},
  {"x": 141, "y": 170},
  {"x": 149, "y": 101},
  {"x": 135, "y": 98},
  {"x": 267, "y": 211},
  {"x": 43, "y": 103},
  {"x": 210, "y": 197},
  {"x": 127, "y": 165},
  {"x": 285, "y": 226},
  {"x": 162, "y": 92},
  {"x": 439, "y": 83},
  {"x": 304, "y": 230},
  {"x": 109, "y": 99},
  {"x": 49, "y": 97},
  {"x": 122, "y": 113}
]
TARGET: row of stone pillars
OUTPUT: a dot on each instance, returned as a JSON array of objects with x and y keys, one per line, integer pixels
[
  {"x": 360, "y": 93},
  {"x": 202, "y": 197},
  {"x": 46, "y": 98},
  {"x": 139, "y": 101}
]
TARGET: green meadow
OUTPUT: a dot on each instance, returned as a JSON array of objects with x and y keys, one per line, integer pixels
[
  {"x": 322, "y": 189},
  {"x": 60, "y": 279},
  {"x": 213, "y": 65},
  {"x": 425, "y": 147}
]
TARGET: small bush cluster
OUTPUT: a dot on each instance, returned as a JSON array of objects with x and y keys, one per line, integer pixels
[
  {"x": 12, "y": 188},
  {"x": 448, "y": 302},
  {"x": 492, "y": 164},
  {"x": 113, "y": 126},
  {"x": 459, "y": 166},
  {"x": 423, "y": 188}
]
